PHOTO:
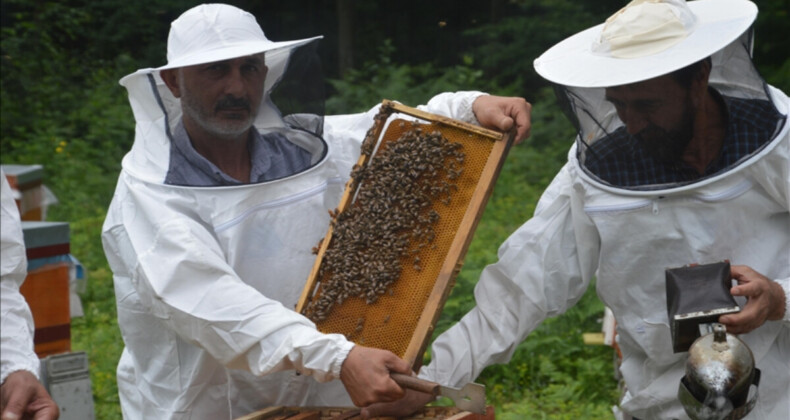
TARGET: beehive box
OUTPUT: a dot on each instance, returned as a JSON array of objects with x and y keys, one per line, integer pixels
[
  {"x": 26, "y": 179},
  {"x": 46, "y": 287},
  {"x": 306, "y": 413},
  {"x": 401, "y": 315}
]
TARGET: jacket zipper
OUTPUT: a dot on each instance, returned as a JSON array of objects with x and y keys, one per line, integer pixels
[{"x": 278, "y": 203}]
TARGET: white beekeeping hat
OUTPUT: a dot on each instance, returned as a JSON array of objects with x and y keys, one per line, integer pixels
[{"x": 646, "y": 39}]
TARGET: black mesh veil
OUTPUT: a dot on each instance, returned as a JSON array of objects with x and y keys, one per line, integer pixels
[
  {"x": 299, "y": 95},
  {"x": 598, "y": 126}
]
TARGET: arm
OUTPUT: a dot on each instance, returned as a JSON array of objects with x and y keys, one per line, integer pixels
[
  {"x": 543, "y": 268},
  {"x": 493, "y": 112},
  {"x": 20, "y": 390},
  {"x": 179, "y": 272}
]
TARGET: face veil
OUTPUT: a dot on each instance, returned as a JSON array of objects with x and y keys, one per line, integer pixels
[{"x": 611, "y": 156}]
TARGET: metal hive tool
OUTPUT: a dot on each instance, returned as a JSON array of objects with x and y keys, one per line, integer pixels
[{"x": 404, "y": 313}]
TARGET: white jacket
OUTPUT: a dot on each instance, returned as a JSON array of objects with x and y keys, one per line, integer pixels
[
  {"x": 206, "y": 279},
  {"x": 627, "y": 239},
  {"x": 16, "y": 321}
]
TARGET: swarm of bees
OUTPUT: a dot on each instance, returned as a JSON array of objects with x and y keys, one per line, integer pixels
[{"x": 391, "y": 219}]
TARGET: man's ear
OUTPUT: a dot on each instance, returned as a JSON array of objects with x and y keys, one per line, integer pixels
[{"x": 170, "y": 77}]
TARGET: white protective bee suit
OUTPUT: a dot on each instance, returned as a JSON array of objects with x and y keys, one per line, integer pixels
[
  {"x": 16, "y": 328},
  {"x": 206, "y": 278},
  {"x": 585, "y": 227}
]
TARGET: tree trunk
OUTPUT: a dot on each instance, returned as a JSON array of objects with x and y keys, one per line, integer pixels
[{"x": 345, "y": 22}]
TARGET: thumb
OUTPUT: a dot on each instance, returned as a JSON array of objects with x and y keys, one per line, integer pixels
[{"x": 505, "y": 123}]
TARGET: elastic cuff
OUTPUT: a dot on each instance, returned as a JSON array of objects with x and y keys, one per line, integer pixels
[
  {"x": 7, "y": 372},
  {"x": 785, "y": 283},
  {"x": 469, "y": 115},
  {"x": 342, "y": 354}
]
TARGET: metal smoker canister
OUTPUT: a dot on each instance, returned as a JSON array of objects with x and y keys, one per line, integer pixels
[{"x": 719, "y": 375}]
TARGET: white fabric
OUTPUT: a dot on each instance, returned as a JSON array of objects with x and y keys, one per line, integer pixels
[
  {"x": 195, "y": 37},
  {"x": 582, "y": 60},
  {"x": 627, "y": 240},
  {"x": 16, "y": 321},
  {"x": 206, "y": 279},
  {"x": 645, "y": 27}
]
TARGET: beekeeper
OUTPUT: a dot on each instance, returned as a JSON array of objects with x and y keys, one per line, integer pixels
[
  {"x": 21, "y": 393},
  {"x": 224, "y": 193},
  {"x": 679, "y": 159}
]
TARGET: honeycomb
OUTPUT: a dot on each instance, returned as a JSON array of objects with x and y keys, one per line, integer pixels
[{"x": 401, "y": 319}]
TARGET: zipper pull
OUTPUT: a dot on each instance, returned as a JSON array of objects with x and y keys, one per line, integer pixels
[{"x": 655, "y": 203}]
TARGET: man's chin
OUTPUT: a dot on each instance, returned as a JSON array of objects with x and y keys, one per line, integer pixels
[{"x": 663, "y": 150}]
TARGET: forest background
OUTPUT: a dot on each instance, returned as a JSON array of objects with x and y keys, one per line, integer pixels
[{"x": 62, "y": 108}]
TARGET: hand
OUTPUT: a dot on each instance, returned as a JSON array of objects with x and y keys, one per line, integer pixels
[
  {"x": 500, "y": 113},
  {"x": 366, "y": 375},
  {"x": 23, "y": 395},
  {"x": 409, "y": 404},
  {"x": 765, "y": 300}
]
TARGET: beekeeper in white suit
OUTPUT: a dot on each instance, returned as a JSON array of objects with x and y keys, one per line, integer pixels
[
  {"x": 678, "y": 160},
  {"x": 21, "y": 393},
  {"x": 209, "y": 235}
]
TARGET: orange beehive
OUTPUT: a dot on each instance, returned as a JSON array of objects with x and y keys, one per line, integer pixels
[
  {"x": 402, "y": 319},
  {"x": 46, "y": 287}
]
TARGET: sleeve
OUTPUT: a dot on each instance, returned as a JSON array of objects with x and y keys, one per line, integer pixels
[
  {"x": 16, "y": 321},
  {"x": 785, "y": 283},
  {"x": 180, "y": 274},
  {"x": 773, "y": 175},
  {"x": 543, "y": 269},
  {"x": 457, "y": 105}
]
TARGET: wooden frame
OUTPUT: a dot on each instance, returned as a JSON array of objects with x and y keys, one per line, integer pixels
[{"x": 453, "y": 260}]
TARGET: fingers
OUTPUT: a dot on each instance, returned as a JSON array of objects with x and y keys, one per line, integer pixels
[
  {"x": 396, "y": 364},
  {"x": 366, "y": 375},
  {"x": 502, "y": 113},
  {"x": 44, "y": 408},
  {"x": 523, "y": 122},
  {"x": 408, "y": 405},
  {"x": 22, "y": 394},
  {"x": 765, "y": 300},
  {"x": 745, "y": 321},
  {"x": 17, "y": 392}
]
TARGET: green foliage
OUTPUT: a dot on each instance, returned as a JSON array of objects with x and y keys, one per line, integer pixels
[
  {"x": 67, "y": 112},
  {"x": 505, "y": 50},
  {"x": 383, "y": 78}
]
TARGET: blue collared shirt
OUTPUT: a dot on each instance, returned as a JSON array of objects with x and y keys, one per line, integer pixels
[
  {"x": 272, "y": 156},
  {"x": 620, "y": 160}
]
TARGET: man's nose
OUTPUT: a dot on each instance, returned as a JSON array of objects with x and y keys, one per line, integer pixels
[{"x": 234, "y": 83}]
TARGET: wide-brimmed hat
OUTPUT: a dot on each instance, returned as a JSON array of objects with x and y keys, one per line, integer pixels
[
  {"x": 215, "y": 32},
  {"x": 646, "y": 39}
]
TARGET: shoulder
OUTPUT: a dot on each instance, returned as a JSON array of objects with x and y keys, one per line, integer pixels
[{"x": 758, "y": 113}]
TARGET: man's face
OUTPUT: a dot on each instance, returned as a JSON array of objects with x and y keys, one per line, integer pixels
[
  {"x": 222, "y": 98},
  {"x": 658, "y": 112}
]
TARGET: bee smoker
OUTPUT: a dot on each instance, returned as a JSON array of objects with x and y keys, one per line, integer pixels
[{"x": 721, "y": 379}]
